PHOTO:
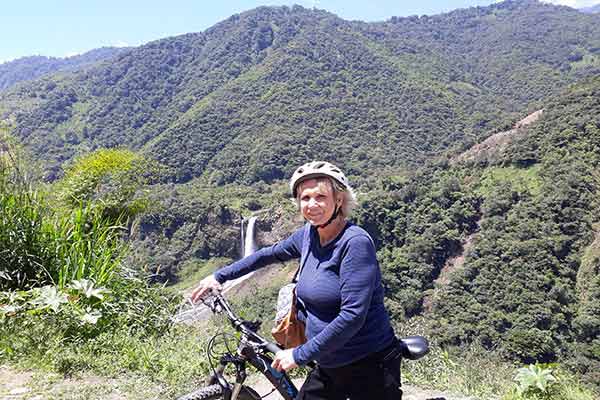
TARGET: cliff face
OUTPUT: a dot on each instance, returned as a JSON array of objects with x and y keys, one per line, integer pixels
[{"x": 493, "y": 148}]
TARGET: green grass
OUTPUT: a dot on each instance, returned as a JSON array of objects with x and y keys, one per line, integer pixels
[
  {"x": 567, "y": 387},
  {"x": 195, "y": 270},
  {"x": 87, "y": 246},
  {"x": 477, "y": 372},
  {"x": 481, "y": 374},
  {"x": 92, "y": 387},
  {"x": 521, "y": 179},
  {"x": 122, "y": 365},
  {"x": 174, "y": 361}
]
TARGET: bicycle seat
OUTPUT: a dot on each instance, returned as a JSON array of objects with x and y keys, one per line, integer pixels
[{"x": 413, "y": 347}]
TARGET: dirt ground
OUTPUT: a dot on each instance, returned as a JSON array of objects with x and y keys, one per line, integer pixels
[
  {"x": 263, "y": 387},
  {"x": 27, "y": 385}
]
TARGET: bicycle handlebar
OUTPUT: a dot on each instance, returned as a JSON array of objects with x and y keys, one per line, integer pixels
[
  {"x": 272, "y": 347},
  {"x": 220, "y": 304}
]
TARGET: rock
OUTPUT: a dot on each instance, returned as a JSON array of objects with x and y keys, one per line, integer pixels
[{"x": 19, "y": 391}]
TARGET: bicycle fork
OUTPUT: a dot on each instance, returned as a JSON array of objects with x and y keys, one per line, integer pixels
[{"x": 217, "y": 377}]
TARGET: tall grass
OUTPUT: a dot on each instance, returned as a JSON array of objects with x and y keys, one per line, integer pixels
[
  {"x": 21, "y": 229},
  {"x": 85, "y": 245},
  {"x": 40, "y": 245},
  {"x": 68, "y": 303},
  {"x": 22, "y": 261}
]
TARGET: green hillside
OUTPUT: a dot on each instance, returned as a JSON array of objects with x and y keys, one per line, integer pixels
[
  {"x": 260, "y": 92},
  {"x": 530, "y": 278}
]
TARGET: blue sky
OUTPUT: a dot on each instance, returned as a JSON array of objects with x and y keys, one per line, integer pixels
[{"x": 63, "y": 28}]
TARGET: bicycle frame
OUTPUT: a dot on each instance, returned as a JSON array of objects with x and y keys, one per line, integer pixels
[{"x": 252, "y": 349}]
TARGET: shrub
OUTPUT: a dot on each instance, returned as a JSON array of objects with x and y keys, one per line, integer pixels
[
  {"x": 535, "y": 380},
  {"x": 547, "y": 382},
  {"x": 109, "y": 178}
]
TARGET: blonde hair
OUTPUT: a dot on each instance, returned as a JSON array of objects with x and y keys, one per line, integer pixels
[{"x": 347, "y": 193}]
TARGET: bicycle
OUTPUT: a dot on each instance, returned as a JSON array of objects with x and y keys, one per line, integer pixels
[{"x": 253, "y": 349}]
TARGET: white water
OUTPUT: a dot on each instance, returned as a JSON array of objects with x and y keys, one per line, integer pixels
[
  {"x": 249, "y": 241},
  {"x": 248, "y": 246}
]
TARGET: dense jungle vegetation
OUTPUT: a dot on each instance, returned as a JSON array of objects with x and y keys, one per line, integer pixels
[
  {"x": 527, "y": 223},
  {"x": 139, "y": 170}
]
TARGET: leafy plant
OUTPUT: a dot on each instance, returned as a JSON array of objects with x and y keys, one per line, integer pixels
[
  {"x": 49, "y": 297},
  {"x": 535, "y": 379},
  {"x": 88, "y": 289}
]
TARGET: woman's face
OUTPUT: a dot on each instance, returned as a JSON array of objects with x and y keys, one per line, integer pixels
[{"x": 317, "y": 201}]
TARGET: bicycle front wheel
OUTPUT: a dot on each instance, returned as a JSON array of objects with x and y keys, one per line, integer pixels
[{"x": 215, "y": 392}]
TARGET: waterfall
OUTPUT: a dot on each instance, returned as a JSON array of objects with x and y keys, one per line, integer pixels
[
  {"x": 249, "y": 241},
  {"x": 242, "y": 239},
  {"x": 248, "y": 246}
]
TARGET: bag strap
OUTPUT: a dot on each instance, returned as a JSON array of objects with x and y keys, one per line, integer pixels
[{"x": 303, "y": 252}]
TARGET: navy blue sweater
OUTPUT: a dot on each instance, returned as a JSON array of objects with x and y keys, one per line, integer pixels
[{"x": 339, "y": 290}]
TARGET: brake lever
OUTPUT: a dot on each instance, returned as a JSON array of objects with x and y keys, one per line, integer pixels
[{"x": 208, "y": 301}]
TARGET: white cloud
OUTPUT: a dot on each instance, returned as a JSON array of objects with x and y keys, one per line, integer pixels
[
  {"x": 9, "y": 59},
  {"x": 574, "y": 3},
  {"x": 120, "y": 43}
]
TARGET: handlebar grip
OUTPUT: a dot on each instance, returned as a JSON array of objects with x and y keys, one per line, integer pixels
[{"x": 272, "y": 347}]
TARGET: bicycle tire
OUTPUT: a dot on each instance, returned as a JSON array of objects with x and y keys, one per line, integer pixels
[{"x": 215, "y": 392}]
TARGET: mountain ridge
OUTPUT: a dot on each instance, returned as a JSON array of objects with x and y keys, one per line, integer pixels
[
  {"x": 32, "y": 67},
  {"x": 267, "y": 71}
]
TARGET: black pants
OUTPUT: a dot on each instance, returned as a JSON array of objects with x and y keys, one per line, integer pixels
[{"x": 364, "y": 379}]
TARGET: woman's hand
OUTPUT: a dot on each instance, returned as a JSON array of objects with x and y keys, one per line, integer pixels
[
  {"x": 284, "y": 360},
  {"x": 204, "y": 288}
]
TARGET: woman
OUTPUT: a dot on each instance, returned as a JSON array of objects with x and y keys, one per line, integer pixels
[{"x": 339, "y": 290}]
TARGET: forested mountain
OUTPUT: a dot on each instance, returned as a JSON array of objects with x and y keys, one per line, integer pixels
[
  {"x": 29, "y": 68},
  {"x": 264, "y": 90},
  {"x": 524, "y": 224}
]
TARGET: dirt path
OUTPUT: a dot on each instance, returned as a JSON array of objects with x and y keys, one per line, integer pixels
[
  {"x": 26, "y": 385},
  {"x": 39, "y": 385},
  {"x": 263, "y": 387}
]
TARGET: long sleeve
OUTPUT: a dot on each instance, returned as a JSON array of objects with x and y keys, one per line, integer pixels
[
  {"x": 359, "y": 273},
  {"x": 282, "y": 251}
]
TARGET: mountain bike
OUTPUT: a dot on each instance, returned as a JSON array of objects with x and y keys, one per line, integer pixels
[{"x": 251, "y": 348}]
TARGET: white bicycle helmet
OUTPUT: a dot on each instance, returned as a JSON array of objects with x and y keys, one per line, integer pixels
[{"x": 315, "y": 169}]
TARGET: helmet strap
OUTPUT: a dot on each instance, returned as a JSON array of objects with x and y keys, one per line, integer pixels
[{"x": 335, "y": 214}]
